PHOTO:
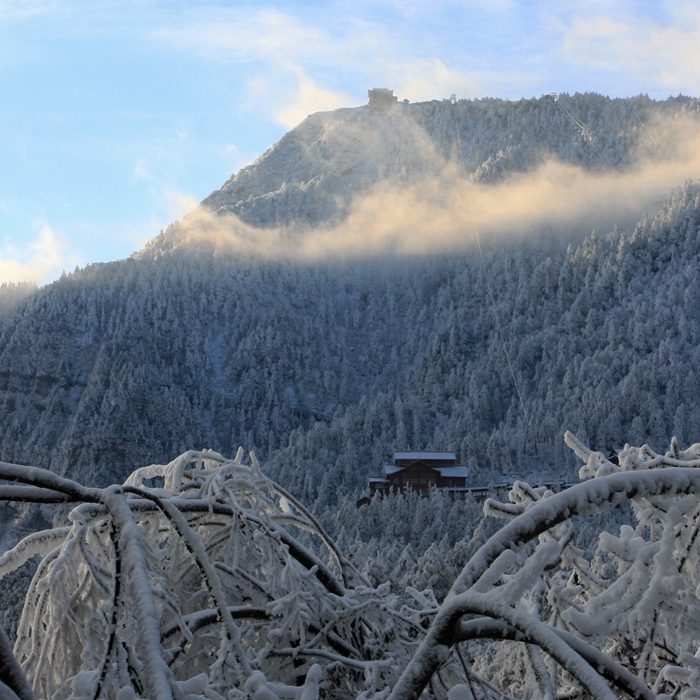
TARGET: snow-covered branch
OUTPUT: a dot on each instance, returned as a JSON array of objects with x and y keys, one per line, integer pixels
[
  {"x": 214, "y": 584},
  {"x": 217, "y": 583},
  {"x": 632, "y": 628}
]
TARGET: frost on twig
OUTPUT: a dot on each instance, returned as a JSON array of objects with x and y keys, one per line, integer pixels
[
  {"x": 200, "y": 578},
  {"x": 627, "y": 621},
  {"x": 204, "y": 579}
]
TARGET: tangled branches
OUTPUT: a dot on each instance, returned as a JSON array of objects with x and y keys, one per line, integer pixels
[
  {"x": 200, "y": 578},
  {"x": 631, "y": 627},
  {"x": 204, "y": 579}
]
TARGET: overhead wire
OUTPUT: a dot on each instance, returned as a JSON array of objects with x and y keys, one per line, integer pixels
[
  {"x": 577, "y": 122},
  {"x": 486, "y": 278}
]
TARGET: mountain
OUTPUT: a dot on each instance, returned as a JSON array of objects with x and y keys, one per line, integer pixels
[
  {"x": 314, "y": 172},
  {"x": 324, "y": 366}
]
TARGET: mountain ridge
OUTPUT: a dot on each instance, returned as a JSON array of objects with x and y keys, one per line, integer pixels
[
  {"x": 324, "y": 367},
  {"x": 355, "y": 148}
]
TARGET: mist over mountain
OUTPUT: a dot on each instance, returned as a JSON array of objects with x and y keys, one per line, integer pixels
[
  {"x": 315, "y": 172},
  {"x": 217, "y": 335}
]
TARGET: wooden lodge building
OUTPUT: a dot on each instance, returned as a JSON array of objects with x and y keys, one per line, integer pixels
[{"x": 423, "y": 470}]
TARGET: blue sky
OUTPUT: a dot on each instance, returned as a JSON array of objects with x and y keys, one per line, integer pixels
[{"x": 116, "y": 117}]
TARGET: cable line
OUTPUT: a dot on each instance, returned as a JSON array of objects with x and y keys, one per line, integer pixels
[
  {"x": 500, "y": 330},
  {"x": 577, "y": 122},
  {"x": 488, "y": 285}
]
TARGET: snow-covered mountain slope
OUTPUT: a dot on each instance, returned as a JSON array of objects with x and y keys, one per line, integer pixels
[
  {"x": 323, "y": 368},
  {"x": 314, "y": 172}
]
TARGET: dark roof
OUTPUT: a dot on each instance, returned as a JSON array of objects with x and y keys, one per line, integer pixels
[{"x": 420, "y": 455}]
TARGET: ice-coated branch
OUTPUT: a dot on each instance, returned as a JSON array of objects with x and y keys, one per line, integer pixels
[
  {"x": 157, "y": 676},
  {"x": 11, "y": 674},
  {"x": 203, "y": 618},
  {"x": 117, "y": 600},
  {"x": 539, "y": 669},
  {"x": 435, "y": 648},
  {"x": 296, "y": 549},
  {"x": 43, "y": 478},
  {"x": 349, "y": 572},
  {"x": 583, "y": 499},
  {"x": 34, "y": 494},
  {"x": 118, "y": 596},
  {"x": 37, "y": 543},
  {"x": 489, "y": 628},
  {"x": 194, "y": 544}
]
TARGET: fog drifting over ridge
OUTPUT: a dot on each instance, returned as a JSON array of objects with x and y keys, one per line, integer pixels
[{"x": 441, "y": 209}]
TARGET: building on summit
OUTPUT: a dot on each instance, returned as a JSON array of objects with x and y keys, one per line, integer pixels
[{"x": 381, "y": 100}]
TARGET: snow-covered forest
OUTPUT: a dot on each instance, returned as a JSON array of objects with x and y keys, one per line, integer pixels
[{"x": 323, "y": 367}]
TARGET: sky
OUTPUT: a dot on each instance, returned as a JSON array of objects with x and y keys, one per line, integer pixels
[{"x": 117, "y": 117}]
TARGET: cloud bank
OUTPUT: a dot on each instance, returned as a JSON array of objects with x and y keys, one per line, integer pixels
[{"x": 443, "y": 214}]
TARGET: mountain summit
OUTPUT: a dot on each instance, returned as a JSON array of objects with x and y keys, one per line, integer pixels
[
  {"x": 421, "y": 178},
  {"x": 314, "y": 172}
]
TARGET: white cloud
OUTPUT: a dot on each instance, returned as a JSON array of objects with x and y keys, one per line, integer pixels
[
  {"x": 427, "y": 79},
  {"x": 288, "y": 95},
  {"x": 664, "y": 56},
  {"x": 17, "y": 10},
  {"x": 441, "y": 213},
  {"x": 240, "y": 34},
  {"x": 433, "y": 49},
  {"x": 40, "y": 261},
  {"x": 299, "y": 59},
  {"x": 141, "y": 170},
  {"x": 180, "y": 203},
  {"x": 308, "y": 98}
]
